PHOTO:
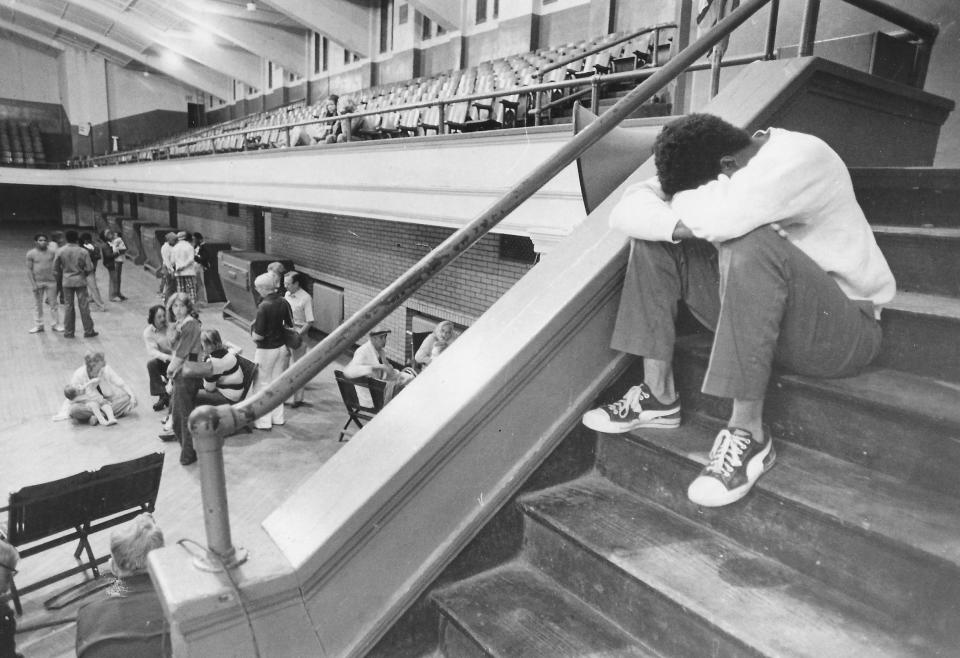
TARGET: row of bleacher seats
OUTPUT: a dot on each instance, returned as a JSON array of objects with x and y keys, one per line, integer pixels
[
  {"x": 268, "y": 129},
  {"x": 20, "y": 144}
]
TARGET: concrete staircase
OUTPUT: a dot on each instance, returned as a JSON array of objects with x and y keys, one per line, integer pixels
[{"x": 850, "y": 546}]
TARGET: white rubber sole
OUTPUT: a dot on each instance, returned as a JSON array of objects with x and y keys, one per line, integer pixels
[
  {"x": 718, "y": 496},
  {"x": 598, "y": 421}
]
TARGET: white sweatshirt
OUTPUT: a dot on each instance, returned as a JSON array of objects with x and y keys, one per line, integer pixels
[{"x": 795, "y": 180}]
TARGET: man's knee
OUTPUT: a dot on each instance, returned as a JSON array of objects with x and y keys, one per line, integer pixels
[{"x": 761, "y": 246}]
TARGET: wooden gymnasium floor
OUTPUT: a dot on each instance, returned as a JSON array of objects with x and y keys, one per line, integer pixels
[{"x": 262, "y": 468}]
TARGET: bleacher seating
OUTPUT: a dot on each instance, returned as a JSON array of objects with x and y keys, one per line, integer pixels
[
  {"x": 300, "y": 124},
  {"x": 20, "y": 144}
]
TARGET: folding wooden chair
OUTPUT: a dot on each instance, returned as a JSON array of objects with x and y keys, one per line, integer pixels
[{"x": 359, "y": 412}]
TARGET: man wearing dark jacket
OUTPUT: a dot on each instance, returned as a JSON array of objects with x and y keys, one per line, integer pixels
[{"x": 71, "y": 266}]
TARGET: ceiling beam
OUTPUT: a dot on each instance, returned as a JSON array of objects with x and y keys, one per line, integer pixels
[
  {"x": 280, "y": 46},
  {"x": 30, "y": 34},
  {"x": 193, "y": 75},
  {"x": 239, "y": 65},
  {"x": 347, "y": 23}
]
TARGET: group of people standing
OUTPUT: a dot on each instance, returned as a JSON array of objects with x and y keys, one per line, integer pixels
[
  {"x": 182, "y": 264},
  {"x": 62, "y": 273}
]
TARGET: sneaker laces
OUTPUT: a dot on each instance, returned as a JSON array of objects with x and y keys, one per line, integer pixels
[
  {"x": 632, "y": 399},
  {"x": 726, "y": 453}
]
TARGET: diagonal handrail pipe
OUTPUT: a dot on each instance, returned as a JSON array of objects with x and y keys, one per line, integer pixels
[{"x": 210, "y": 425}]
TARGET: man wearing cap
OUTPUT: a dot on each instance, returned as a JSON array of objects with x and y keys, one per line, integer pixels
[
  {"x": 370, "y": 359},
  {"x": 184, "y": 266},
  {"x": 273, "y": 314}
]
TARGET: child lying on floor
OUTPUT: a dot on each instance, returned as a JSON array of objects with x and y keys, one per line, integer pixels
[{"x": 94, "y": 401}]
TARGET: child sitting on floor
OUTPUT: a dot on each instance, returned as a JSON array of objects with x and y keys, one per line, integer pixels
[{"x": 96, "y": 403}]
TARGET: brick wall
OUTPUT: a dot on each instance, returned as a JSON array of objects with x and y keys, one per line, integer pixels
[
  {"x": 363, "y": 256},
  {"x": 211, "y": 219}
]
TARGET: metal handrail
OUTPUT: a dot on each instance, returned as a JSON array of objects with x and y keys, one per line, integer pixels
[{"x": 211, "y": 424}]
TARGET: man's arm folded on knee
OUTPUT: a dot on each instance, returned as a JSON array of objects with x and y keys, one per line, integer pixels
[{"x": 644, "y": 213}]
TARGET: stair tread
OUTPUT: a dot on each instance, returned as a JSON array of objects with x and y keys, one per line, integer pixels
[
  {"x": 941, "y": 232},
  {"x": 894, "y": 390},
  {"x": 926, "y": 304},
  {"x": 766, "y": 605},
  {"x": 514, "y": 610},
  {"x": 858, "y": 497}
]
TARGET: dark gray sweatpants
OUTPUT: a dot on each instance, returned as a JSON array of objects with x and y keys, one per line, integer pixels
[{"x": 766, "y": 301}]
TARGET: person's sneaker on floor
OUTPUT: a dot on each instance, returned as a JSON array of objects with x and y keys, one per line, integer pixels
[
  {"x": 58, "y": 327},
  {"x": 167, "y": 435},
  {"x": 115, "y": 299},
  {"x": 637, "y": 409},
  {"x": 92, "y": 420},
  {"x": 37, "y": 329},
  {"x": 736, "y": 463},
  {"x": 90, "y": 334}
]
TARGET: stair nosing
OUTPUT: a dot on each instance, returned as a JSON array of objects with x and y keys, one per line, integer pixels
[
  {"x": 949, "y": 415},
  {"x": 768, "y": 485},
  {"x": 926, "y": 305}
]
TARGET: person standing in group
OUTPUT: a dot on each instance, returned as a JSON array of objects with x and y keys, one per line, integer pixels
[
  {"x": 202, "y": 260},
  {"x": 118, "y": 249},
  {"x": 43, "y": 282},
  {"x": 168, "y": 282},
  {"x": 301, "y": 308},
  {"x": 185, "y": 342},
  {"x": 273, "y": 314},
  {"x": 277, "y": 269},
  {"x": 86, "y": 241},
  {"x": 184, "y": 267},
  {"x": 71, "y": 266}
]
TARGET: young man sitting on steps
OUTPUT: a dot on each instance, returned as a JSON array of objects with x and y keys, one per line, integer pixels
[{"x": 762, "y": 238}]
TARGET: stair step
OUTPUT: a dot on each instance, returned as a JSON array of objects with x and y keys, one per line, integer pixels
[
  {"x": 914, "y": 196},
  {"x": 684, "y": 587},
  {"x": 924, "y": 260},
  {"x": 884, "y": 542},
  {"x": 894, "y": 422},
  {"x": 514, "y": 610},
  {"x": 920, "y": 335}
]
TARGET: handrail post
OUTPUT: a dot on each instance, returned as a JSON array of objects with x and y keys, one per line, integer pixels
[
  {"x": 808, "y": 27},
  {"x": 441, "y": 118},
  {"x": 538, "y": 101},
  {"x": 595, "y": 94},
  {"x": 771, "y": 40},
  {"x": 213, "y": 491},
  {"x": 656, "y": 47}
]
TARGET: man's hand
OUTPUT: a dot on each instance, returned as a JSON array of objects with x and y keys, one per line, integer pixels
[
  {"x": 780, "y": 230},
  {"x": 681, "y": 232}
]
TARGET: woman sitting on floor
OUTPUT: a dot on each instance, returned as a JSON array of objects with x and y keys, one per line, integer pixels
[
  {"x": 129, "y": 619},
  {"x": 95, "y": 374}
]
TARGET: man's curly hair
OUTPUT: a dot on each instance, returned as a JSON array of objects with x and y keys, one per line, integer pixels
[{"x": 688, "y": 151}]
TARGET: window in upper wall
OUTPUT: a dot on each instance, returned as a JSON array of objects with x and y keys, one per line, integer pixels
[
  {"x": 440, "y": 29},
  {"x": 426, "y": 29},
  {"x": 402, "y": 13},
  {"x": 269, "y": 75},
  {"x": 481, "y": 15},
  {"x": 386, "y": 25},
  {"x": 496, "y": 9},
  {"x": 233, "y": 209}
]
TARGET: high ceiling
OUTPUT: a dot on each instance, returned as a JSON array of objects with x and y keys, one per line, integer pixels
[{"x": 203, "y": 43}]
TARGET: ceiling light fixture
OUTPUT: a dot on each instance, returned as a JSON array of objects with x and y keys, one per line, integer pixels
[{"x": 251, "y": 6}]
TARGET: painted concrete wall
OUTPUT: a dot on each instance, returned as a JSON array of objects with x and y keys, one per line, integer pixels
[{"x": 28, "y": 74}]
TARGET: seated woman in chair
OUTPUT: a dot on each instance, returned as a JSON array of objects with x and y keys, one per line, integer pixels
[
  {"x": 129, "y": 619},
  {"x": 346, "y": 130},
  {"x": 435, "y": 343}
]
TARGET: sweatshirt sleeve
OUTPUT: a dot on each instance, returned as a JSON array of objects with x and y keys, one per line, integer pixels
[
  {"x": 644, "y": 213},
  {"x": 769, "y": 188}
]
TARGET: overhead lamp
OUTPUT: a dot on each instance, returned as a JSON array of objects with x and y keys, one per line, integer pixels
[{"x": 251, "y": 6}]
